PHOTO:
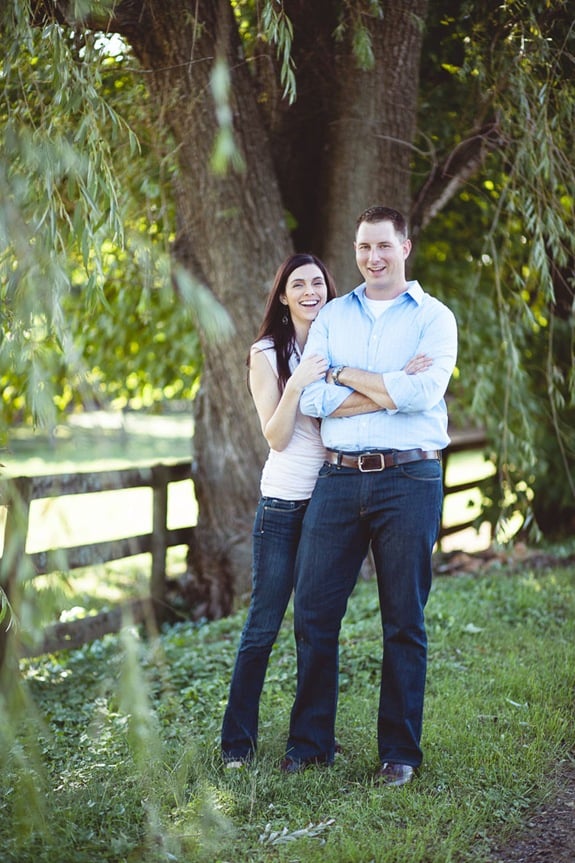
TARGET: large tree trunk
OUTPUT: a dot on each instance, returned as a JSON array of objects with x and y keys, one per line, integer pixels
[
  {"x": 346, "y": 142},
  {"x": 300, "y": 132},
  {"x": 232, "y": 235},
  {"x": 371, "y": 133}
]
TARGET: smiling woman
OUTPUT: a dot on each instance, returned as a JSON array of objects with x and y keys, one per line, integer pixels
[{"x": 277, "y": 376}]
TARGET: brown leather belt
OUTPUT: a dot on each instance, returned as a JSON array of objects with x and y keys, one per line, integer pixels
[{"x": 373, "y": 461}]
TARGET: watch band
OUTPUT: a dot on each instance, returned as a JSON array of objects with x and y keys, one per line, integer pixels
[{"x": 336, "y": 375}]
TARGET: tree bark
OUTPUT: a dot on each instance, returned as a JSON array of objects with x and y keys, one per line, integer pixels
[
  {"x": 371, "y": 134},
  {"x": 300, "y": 133}
]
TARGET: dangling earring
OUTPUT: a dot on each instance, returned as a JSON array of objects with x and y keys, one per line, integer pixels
[{"x": 285, "y": 319}]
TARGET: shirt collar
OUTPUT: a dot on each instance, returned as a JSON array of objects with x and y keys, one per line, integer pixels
[{"x": 414, "y": 290}]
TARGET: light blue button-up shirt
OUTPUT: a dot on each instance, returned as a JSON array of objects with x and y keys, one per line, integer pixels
[{"x": 347, "y": 334}]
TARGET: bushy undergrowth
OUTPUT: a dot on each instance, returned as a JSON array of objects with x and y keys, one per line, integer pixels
[{"x": 110, "y": 753}]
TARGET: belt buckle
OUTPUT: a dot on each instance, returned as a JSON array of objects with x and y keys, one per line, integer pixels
[{"x": 370, "y": 457}]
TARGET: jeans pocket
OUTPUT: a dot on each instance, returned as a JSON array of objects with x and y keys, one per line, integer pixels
[
  {"x": 279, "y": 517},
  {"x": 428, "y": 470}
]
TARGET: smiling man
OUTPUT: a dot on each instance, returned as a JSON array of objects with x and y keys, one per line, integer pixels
[
  {"x": 391, "y": 350},
  {"x": 381, "y": 250}
]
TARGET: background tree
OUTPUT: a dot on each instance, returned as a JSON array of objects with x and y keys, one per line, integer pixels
[
  {"x": 460, "y": 116},
  {"x": 515, "y": 246}
]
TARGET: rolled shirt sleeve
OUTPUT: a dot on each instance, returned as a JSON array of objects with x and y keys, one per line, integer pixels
[{"x": 423, "y": 391}]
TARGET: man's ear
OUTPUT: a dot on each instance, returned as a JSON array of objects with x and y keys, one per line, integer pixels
[{"x": 406, "y": 248}]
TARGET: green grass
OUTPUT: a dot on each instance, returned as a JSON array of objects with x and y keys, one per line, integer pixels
[{"x": 121, "y": 762}]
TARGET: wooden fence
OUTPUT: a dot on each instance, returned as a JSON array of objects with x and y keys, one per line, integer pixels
[
  {"x": 17, "y": 565},
  {"x": 462, "y": 440}
]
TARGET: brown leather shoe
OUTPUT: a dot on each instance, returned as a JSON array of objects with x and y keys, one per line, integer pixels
[{"x": 394, "y": 774}]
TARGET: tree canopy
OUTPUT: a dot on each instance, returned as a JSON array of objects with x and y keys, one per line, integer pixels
[{"x": 160, "y": 160}]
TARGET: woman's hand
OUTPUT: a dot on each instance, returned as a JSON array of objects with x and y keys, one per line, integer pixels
[{"x": 310, "y": 369}]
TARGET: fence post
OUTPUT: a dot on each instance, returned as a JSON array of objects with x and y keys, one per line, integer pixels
[
  {"x": 159, "y": 539},
  {"x": 13, "y": 567}
]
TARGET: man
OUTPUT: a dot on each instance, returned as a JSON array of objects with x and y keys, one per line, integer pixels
[{"x": 384, "y": 423}]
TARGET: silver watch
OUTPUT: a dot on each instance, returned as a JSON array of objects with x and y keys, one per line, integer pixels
[{"x": 336, "y": 375}]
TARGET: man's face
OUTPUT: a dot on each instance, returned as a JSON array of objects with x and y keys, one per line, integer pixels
[{"x": 380, "y": 256}]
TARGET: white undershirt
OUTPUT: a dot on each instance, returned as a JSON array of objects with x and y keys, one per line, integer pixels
[{"x": 378, "y": 307}]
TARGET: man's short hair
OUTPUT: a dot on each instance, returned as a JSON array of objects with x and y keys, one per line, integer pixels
[{"x": 385, "y": 214}]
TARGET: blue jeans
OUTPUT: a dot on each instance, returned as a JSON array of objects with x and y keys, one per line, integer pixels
[
  {"x": 398, "y": 511},
  {"x": 276, "y": 533}
]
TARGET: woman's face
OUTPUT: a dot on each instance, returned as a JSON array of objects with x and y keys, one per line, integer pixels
[{"x": 305, "y": 293}]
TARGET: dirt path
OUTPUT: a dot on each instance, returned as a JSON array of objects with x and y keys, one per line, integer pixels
[{"x": 549, "y": 835}]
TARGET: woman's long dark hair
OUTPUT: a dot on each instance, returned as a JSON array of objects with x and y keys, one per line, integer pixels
[{"x": 275, "y": 313}]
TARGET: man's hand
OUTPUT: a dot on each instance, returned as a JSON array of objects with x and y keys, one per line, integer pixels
[
  {"x": 418, "y": 363},
  {"x": 329, "y": 376}
]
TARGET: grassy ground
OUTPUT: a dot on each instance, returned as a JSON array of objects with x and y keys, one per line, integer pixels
[
  {"x": 121, "y": 762},
  {"x": 110, "y": 753}
]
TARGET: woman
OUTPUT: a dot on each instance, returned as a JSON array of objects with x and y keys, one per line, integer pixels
[{"x": 277, "y": 376}]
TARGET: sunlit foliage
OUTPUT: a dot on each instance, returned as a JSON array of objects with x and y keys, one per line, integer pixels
[{"x": 88, "y": 311}]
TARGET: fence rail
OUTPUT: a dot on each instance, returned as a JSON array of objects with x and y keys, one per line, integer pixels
[{"x": 16, "y": 565}]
